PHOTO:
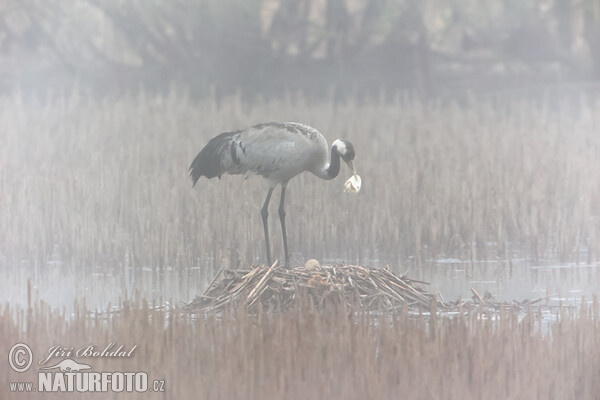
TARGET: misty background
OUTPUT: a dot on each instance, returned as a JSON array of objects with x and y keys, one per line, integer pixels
[
  {"x": 335, "y": 48},
  {"x": 479, "y": 154}
]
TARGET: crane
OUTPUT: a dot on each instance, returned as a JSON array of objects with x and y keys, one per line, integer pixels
[{"x": 278, "y": 152}]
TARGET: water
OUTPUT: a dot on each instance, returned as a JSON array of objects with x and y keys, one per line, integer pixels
[
  {"x": 60, "y": 285},
  {"x": 518, "y": 280}
]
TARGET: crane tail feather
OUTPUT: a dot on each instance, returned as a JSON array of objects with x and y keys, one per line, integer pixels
[{"x": 213, "y": 159}]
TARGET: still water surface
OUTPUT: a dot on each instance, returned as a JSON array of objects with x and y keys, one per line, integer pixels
[{"x": 60, "y": 285}]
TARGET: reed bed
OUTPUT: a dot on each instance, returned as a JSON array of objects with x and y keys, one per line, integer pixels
[
  {"x": 97, "y": 187},
  {"x": 333, "y": 353},
  {"x": 102, "y": 184}
]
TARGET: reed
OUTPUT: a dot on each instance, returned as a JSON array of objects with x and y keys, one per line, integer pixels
[
  {"x": 102, "y": 184},
  {"x": 333, "y": 353}
]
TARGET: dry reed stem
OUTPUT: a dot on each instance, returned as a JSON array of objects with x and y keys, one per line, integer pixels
[
  {"x": 102, "y": 184},
  {"x": 277, "y": 288},
  {"x": 329, "y": 354}
]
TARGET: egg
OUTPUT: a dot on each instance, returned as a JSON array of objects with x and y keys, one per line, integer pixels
[{"x": 352, "y": 184}]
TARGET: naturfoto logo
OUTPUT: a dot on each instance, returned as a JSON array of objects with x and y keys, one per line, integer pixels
[{"x": 69, "y": 375}]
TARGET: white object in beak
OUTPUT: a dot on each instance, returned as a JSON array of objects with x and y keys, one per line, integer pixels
[{"x": 352, "y": 184}]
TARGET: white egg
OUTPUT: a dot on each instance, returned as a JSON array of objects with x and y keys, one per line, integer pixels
[{"x": 352, "y": 184}]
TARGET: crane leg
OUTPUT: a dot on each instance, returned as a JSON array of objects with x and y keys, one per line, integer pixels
[
  {"x": 264, "y": 212},
  {"x": 282, "y": 220}
]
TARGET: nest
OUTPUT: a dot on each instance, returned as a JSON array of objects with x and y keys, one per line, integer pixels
[{"x": 275, "y": 288}]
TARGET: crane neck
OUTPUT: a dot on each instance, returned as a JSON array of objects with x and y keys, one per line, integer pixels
[{"x": 333, "y": 169}]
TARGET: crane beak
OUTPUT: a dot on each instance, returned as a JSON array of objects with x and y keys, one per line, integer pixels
[{"x": 351, "y": 166}]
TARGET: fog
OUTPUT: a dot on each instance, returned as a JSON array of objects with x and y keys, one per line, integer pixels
[
  {"x": 391, "y": 70},
  {"x": 462, "y": 113},
  {"x": 340, "y": 49},
  {"x": 466, "y": 267}
]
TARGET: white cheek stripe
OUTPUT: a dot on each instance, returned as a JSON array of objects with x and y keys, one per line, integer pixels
[{"x": 341, "y": 146}]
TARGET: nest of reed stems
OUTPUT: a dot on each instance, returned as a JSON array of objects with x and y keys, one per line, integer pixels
[{"x": 276, "y": 288}]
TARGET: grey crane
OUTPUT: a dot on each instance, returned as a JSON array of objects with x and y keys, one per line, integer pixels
[{"x": 278, "y": 152}]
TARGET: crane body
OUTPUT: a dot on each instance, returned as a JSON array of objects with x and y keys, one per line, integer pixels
[{"x": 276, "y": 151}]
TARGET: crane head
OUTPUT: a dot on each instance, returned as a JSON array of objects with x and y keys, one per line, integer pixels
[{"x": 346, "y": 150}]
